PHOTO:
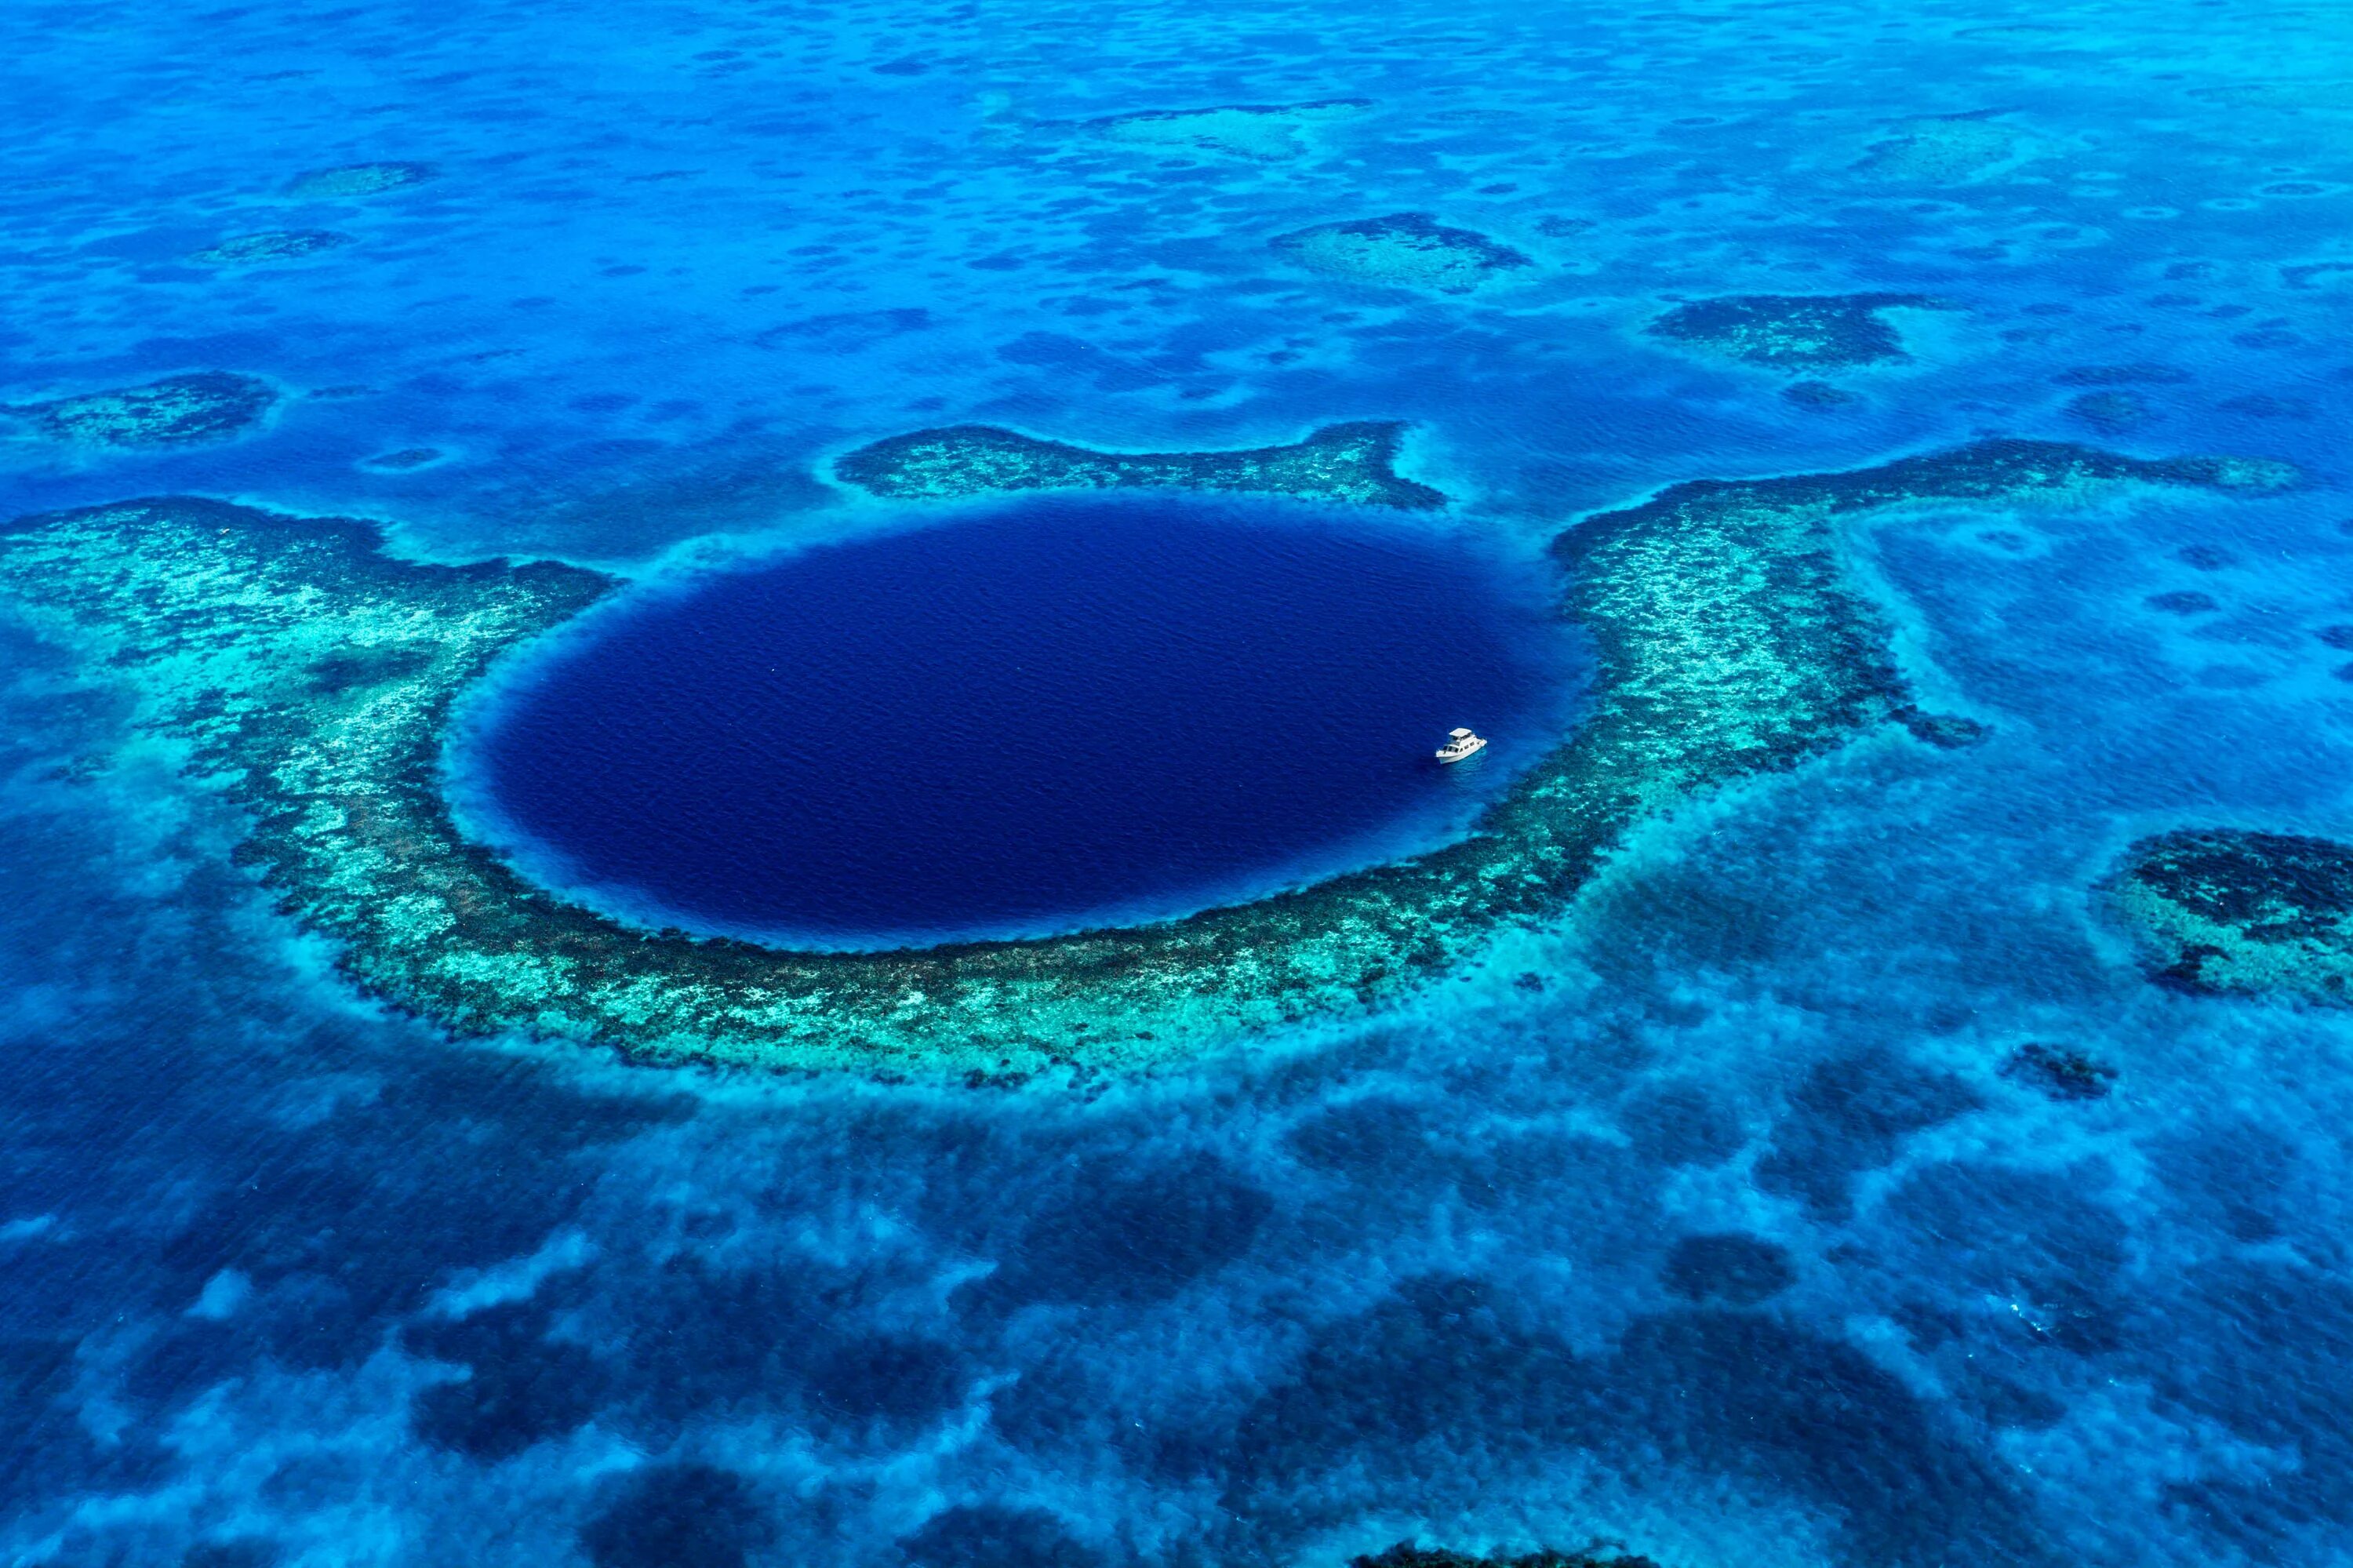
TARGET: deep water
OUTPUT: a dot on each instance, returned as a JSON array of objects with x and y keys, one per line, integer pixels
[
  {"x": 1055, "y": 715},
  {"x": 1730, "y": 1217}
]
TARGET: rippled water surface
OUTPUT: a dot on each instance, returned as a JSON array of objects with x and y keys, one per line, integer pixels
[{"x": 1728, "y": 1216}]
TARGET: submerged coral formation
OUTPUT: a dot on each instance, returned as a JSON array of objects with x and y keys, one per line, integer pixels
[
  {"x": 402, "y": 460},
  {"x": 1338, "y": 463},
  {"x": 2225, "y": 909},
  {"x": 1942, "y": 149},
  {"x": 313, "y": 675},
  {"x": 1406, "y": 1554},
  {"x": 359, "y": 179},
  {"x": 207, "y": 407},
  {"x": 275, "y": 245},
  {"x": 1261, "y": 131},
  {"x": 1793, "y": 331},
  {"x": 1405, "y": 249},
  {"x": 2060, "y": 1072}
]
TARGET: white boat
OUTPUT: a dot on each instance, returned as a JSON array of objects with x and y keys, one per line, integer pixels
[{"x": 1460, "y": 744}]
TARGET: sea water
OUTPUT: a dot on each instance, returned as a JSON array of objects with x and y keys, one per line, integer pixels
[
  {"x": 1054, "y": 716},
  {"x": 1704, "y": 1219}
]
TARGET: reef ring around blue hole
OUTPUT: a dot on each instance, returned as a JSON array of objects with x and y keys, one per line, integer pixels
[{"x": 1025, "y": 719}]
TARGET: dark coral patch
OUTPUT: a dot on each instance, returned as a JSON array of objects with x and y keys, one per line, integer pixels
[
  {"x": 2060, "y": 1072},
  {"x": 1815, "y": 394},
  {"x": 1405, "y": 249},
  {"x": 2137, "y": 374},
  {"x": 177, "y": 411},
  {"x": 1449, "y": 1367},
  {"x": 359, "y": 179},
  {"x": 278, "y": 245},
  {"x": 2223, "y": 909},
  {"x": 678, "y": 1516},
  {"x": 991, "y": 1535},
  {"x": 2110, "y": 412},
  {"x": 521, "y": 1387},
  {"x": 2183, "y": 601},
  {"x": 1125, "y": 1235},
  {"x": 1737, "y": 1270},
  {"x": 1407, "y": 1554},
  {"x": 1850, "y": 1116},
  {"x": 1793, "y": 331},
  {"x": 403, "y": 460}
]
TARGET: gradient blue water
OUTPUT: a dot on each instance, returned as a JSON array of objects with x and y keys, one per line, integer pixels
[
  {"x": 292, "y": 1281},
  {"x": 1056, "y": 715}
]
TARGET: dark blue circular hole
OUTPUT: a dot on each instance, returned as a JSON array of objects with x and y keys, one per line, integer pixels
[{"x": 1044, "y": 716}]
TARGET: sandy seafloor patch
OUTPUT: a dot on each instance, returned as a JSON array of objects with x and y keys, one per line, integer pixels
[{"x": 1430, "y": 1273}]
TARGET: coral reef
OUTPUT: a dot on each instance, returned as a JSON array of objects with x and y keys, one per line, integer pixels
[
  {"x": 276, "y": 245},
  {"x": 312, "y": 677},
  {"x": 1405, "y": 249},
  {"x": 2060, "y": 1072},
  {"x": 207, "y": 407},
  {"x": 2224, "y": 909},
  {"x": 1406, "y": 1554},
  {"x": 1815, "y": 394},
  {"x": 1793, "y": 331},
  {"x": 403, "y": 460},
  {"x": 359, "y": 180},
  {"x": 1338, "y": 463},
  {"x": 1942, "y": 149},
  {"x": 1265, "y": 132},
  {"x": 2111, "y": 413}
]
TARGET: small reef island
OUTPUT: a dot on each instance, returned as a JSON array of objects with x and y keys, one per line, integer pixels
[
  {"x": 1404, "y": 249},
  {"x": 210, "y": 405},
  {"x": 312, "y": 675},
  {"x": 1793, "y": 331},
  {"x": 2228, "y": 910}
]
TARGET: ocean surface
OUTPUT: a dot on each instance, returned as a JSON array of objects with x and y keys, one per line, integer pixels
[
  {"x": 1705, "y": 1220},
  {"x": 1049, "y": 716}
]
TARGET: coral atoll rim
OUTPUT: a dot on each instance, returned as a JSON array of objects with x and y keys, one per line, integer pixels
[
  {"x": 311, "y": 672},
  {"x": 2230, "y": 910}
]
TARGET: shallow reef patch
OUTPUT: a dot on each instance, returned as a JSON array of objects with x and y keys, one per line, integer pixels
[
  {"x": 275, "y": 245},
  {"x": 312, "y": 676},
  {"x": 2060, "y": 1072},
  {"x": 2231, "y": 910},
  {"x": 359, "y": 179},
  {"x": 2110, "y": 413},
  {"x": 210, "y": 405},
  {"x": 1795, "y": 332},
  {"x": 1404, "y": 249},
  {"x": 1407, "y": 1554},
  {"x": 1338, "y": 463},
  {"x": 402, "y": 460},
  {"x": 1264, "y": 132},
  {"x": 1944, "y": 149}
]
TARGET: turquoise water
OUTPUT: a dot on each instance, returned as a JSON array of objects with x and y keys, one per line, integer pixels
[{"x": 1727, "y": 1237}]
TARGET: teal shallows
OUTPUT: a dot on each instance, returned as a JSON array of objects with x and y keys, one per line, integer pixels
[{"x": 315, "y": 674}]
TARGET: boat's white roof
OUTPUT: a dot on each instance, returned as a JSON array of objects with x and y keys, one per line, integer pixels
[{"x": 1458, "y": 734}]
